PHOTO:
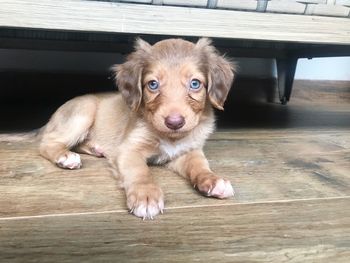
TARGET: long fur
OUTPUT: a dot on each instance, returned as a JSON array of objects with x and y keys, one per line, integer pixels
[{"x": 164, "y": 123}]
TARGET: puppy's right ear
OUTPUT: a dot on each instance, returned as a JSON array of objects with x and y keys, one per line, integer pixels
[
  {"x": 220, "y": 73},
  {"x": 129, "y": 74}
]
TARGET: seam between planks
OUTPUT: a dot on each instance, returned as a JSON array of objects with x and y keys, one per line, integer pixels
[{"x": 173, "y": 208}]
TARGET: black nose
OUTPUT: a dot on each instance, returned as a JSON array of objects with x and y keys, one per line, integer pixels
[{"x": 174, "y": 122}]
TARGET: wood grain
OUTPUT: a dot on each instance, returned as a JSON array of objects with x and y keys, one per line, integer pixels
[
  {"x": 299, "y": 231},
  {"x": 285, "y": 7},
  {"x": 97, "y": 16},
  {"x": 291, "y": 205},
  {"x": 262, "y": 165}
]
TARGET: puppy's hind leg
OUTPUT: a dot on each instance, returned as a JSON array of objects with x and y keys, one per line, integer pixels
[{"x": 68, "y": 127}]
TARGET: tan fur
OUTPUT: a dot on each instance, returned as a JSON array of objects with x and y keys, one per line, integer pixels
[{"x": 130, "y": 129}]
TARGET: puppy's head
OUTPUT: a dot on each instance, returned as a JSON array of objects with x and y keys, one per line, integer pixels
[{"x": 173, "y": 82}]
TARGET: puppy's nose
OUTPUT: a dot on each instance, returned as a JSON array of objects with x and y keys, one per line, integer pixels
[{"x": 174, "y": 121}]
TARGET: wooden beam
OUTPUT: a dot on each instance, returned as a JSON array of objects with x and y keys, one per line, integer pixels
[{"x": 97, "y": 16}]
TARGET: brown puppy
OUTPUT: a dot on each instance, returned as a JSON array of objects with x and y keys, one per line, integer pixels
[{"x": 163, "y": 115}]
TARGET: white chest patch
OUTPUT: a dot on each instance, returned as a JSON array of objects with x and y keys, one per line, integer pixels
[
  {"x": 172, "y": 150},
  {"x": 169, "y": 150}
]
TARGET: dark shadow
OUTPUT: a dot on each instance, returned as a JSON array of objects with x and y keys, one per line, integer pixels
[
  {"x": 28, "y": 99},
  {"x": 254, "y": 103}
]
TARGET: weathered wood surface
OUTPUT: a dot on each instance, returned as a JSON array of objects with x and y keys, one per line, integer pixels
[
  {"x": 291, "y": 205},
  {"x": 263, "y": 166},
  {"x": 306, "y": 7},
  {"x": 298, "y": 231},
  {"x": 96, "y": 16}
]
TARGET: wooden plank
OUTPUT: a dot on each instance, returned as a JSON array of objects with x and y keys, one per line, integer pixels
[
  {"x": 312, "y": 1},
  {"x": 343, "y": 2},
  {"x": 31, "y": 185},
  {"x": 133, "y": 1},
  {"x": 285, "y": 7},
  {"x": 237, "y": 4},
  {"x": 193, "y": 3},
  {"x": 327, "y": 10},
  {"x": 290, "y": 168},
  {"x": 98, "y": 16},
  {"x": 262, "y": 165},
  {"x": 336, "y": 93},
  {"x": 300, "y": 231}
]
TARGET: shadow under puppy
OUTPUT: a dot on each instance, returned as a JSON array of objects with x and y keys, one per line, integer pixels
[{"x": 162, "y": 115}]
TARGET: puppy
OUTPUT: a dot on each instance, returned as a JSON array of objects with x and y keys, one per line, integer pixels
[{"x": 162, "y": 115}]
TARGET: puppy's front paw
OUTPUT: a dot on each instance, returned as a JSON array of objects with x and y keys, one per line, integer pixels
[
  {"x": 69, "y": 160},
  {"x": 211, "y": 185},
  {"x": 145, "y": 200}
]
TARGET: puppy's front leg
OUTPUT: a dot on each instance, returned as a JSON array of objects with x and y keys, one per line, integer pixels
[
  {"x": 144, "y": 197},
  {"x": 194, "y": 166}
]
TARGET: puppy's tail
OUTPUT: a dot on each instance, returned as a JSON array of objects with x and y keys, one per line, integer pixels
[{"x": 30, "y": 136}]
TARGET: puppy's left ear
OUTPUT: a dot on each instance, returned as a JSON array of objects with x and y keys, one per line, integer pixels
[
  {"x": 221, "y": 72},
  {"x": 128, "y": 75}
]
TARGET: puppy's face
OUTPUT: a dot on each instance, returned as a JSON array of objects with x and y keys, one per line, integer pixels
[
  {"x": 174, "y": 96},
  {"x": 173, "y": 82}
]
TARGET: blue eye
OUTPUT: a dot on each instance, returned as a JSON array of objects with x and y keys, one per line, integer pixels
[
  {"x": 153, "y": 85},
  {"x": 195, "y": 84}
]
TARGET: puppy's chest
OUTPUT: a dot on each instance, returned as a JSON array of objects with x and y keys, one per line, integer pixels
[{"x": 168, "y": 151}]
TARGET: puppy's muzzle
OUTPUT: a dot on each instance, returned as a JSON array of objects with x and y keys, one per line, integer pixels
[{"x": 175, "y": 121}]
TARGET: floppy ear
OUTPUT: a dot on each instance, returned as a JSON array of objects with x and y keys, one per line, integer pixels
[
  {"x": 128, "y": 75},
  {"x": 220, "y": 73}
]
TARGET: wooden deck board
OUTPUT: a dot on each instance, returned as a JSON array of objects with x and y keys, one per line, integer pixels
[
  {"x": 292, "y": 196},
  {"x": 262, "y": 167},
  {"x": 97, "y": 16},
  {"x": 298, "y": 231}
]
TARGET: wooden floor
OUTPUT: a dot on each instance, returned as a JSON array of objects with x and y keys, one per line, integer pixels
[{"x": 292, "y": 202}]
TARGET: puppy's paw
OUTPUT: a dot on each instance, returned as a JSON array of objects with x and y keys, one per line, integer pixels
[
  {"x": 145, "y": 200},
  {"x": 90, "y": 148},
  {"x": 211, "y": 185},
  {"x": 97, "y": 151},
  {"x": 69, "y": 160}
]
